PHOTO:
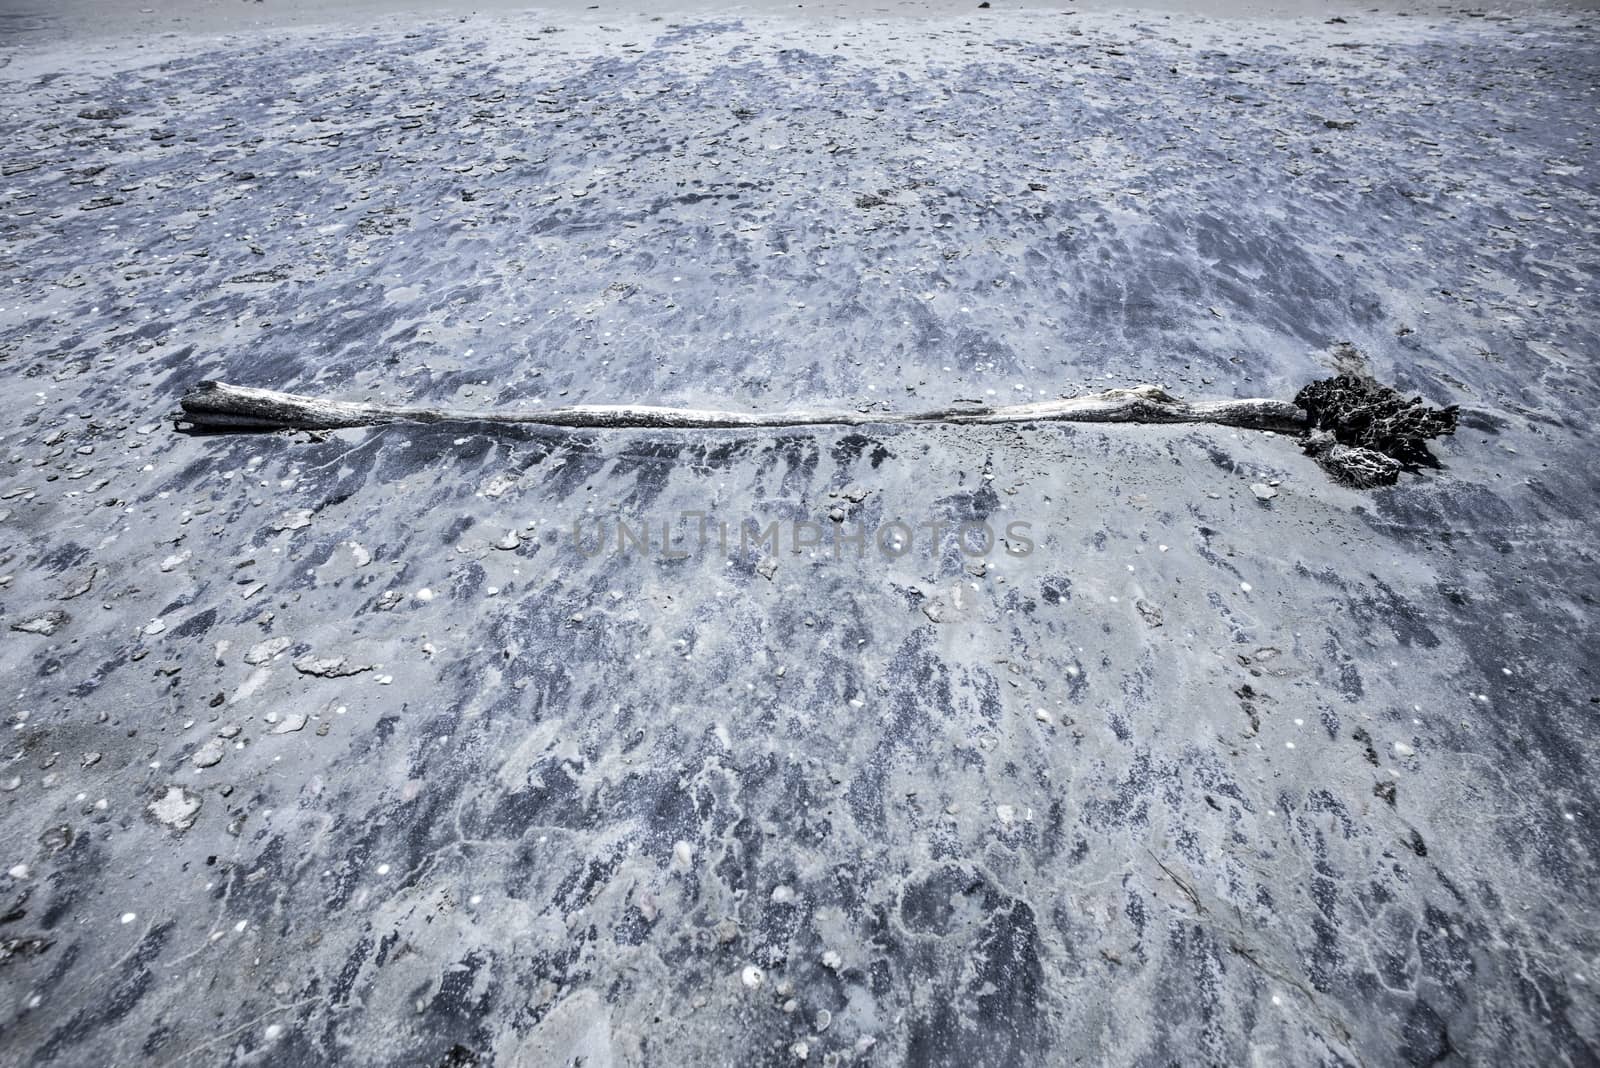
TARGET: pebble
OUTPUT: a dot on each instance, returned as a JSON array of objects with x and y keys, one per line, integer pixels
[
  {"x": 177, "y": 808},
  {"x": 209, "y": 755},
  {"x": 45, "y": 623},
  {"x": 292, "y": 722},
  {"x": 1263, "y": 491},
  {"x": 329, "y": 667},
  {"x": 752, "y": 976},
  {"x": 1401, "y": 749}
]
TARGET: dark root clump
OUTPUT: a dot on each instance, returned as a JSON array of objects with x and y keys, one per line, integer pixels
[{"x": 1365, "y": 433}]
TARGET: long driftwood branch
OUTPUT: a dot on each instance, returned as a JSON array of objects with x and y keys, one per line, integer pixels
[{"x": 220, "y": 406}]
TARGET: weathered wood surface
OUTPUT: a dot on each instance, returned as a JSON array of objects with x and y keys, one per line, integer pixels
[{"x": 220, "y": 405}]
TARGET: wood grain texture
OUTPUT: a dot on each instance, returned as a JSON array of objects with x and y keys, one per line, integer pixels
[{"x": 221, "y": 406}]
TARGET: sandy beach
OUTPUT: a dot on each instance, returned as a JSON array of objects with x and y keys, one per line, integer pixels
[{"x": 460, "y": 744}]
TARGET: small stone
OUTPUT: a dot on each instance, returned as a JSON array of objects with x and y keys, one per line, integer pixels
[
  {"x": 767, "y": 568},
  {"x": 292, "y": 722},
  {"x": 293, "y": 519},
  {"x": 1263, "y": 491},
  {"x": 1401, "y": 749},
  {"x": 331, "y": 667},
  {"x": 752, "y": 976},
  {"x": 177, "y": 808},
  {"x": 45, "y": 623},
  {"x": 510, "y": 541},
  {"x": 209, "y": 755},
  {"x": 80, "y": 583}
]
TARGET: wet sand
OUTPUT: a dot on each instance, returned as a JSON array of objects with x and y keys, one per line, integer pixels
[{"x": 342, "y": 749}]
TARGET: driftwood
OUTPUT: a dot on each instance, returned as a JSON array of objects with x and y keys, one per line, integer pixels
[{"x": 220, "y": 406}]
